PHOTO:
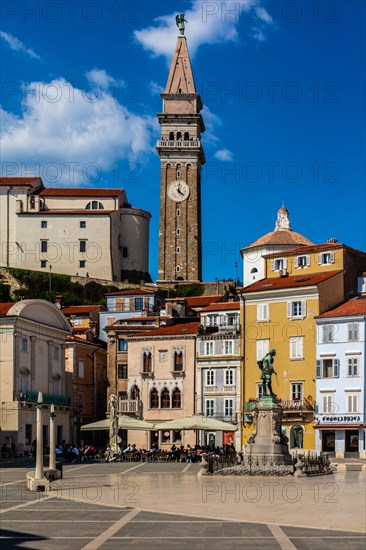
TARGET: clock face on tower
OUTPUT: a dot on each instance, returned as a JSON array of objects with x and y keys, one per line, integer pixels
[{"x": 178, "y": 191}]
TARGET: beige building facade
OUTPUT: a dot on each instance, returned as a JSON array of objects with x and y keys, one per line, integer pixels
[
  {"x": 33, "y": 336},
  {"x": 87, "y": 232}
]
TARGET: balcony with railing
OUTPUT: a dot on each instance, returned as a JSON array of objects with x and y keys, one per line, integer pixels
[
  {"x": 293, "y": 406},
  {"x": 229, "y": 329},
  {"x": 48, "y": 398},
  {"x": 130, "y": 406},
  {"x": 185, "y": 144}
]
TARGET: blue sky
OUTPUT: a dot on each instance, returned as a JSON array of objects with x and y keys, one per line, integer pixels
[{"x": 283, "y": 86}]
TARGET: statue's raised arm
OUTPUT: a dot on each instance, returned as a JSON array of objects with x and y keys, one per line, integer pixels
[{"x": 180, "y": 23}]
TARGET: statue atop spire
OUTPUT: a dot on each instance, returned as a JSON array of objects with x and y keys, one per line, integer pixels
[
  {"x": 180, "y": 23},
  {"x": 283, "y": 221}
]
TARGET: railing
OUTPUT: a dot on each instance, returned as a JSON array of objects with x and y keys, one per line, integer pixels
[
  {"x": 228, "y": 388},
  {"x": 130, "y": 406},
  {"x": 48, "y": 398},
  {"x": 168, "y": 143},
  {"x": 297, "y": 405},
  {"x": 209, "y": 389},
  {"x": 229, "y": 328}
]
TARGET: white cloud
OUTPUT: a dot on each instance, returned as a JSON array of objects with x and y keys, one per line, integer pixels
[
  {"x": 155, "y": 88},
  {"x": 208, "y": 23},
  {"x": 212, "y": 123},
  {"x": 224, "y": 155},
  {"x": 100, "y": 77},
  {"x": 63, "y": 124},
  {"x": 15, "y": 44}
]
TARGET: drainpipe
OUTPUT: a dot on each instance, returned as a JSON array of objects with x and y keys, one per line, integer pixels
[
  {"x": 94, "y": 382},
  {"x": 7, "y": 224},
  {"x": 242, "y": 364}
]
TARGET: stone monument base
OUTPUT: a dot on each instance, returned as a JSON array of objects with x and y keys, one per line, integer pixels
[{"x": 268, "y": 441}]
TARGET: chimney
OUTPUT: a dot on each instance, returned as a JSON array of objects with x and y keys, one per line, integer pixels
[{"x": 58, "y": 301}]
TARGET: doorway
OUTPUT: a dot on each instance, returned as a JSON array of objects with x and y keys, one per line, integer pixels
[
  {"x": 351, "y": 444},
  {"x": 328, "y": 441}
]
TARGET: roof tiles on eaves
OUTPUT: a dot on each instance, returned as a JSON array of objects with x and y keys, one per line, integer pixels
[
  {"x": 175, "y": 330},
  {"x": 357, "y": 306},
  {"x": 290, "y": 282}
]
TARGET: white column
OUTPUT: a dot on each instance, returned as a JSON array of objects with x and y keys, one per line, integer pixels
[
  {"x": 52, "y": 464},
  {"x": 39, "y": 439}
]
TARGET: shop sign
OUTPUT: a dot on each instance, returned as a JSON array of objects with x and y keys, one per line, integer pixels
[{"x": 335, "y": 418}]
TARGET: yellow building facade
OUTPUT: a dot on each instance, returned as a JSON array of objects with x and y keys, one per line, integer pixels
[{"x": 278, "y": 313}]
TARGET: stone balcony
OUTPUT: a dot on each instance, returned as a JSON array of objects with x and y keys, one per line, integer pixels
[
  {"x": 183, "y": 144},
  {"x": 130, "y": 406}
]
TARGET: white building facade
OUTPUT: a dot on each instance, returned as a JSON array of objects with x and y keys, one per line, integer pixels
[
  {"x": 218, "y": 370},
  {"x": 340, "y": 380},
  {"x": 86, "y": 232}
]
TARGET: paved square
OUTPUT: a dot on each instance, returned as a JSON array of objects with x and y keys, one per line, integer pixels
[{"x": 131, "y": 505}]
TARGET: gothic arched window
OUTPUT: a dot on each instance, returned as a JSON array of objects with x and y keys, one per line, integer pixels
[
  {"x": 165, "y": 399},
  {"x": 135, "y": 392},
  {"x": 186, "y": 136},
  {"x": 147, "y": 362},
  {"x": 176, "y": 402},
  {"x": 178, "y": 361},
  {"x": 154, "y": 399}
]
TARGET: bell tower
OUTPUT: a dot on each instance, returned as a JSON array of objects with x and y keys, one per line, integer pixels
[{"x": 181, "y": 157}]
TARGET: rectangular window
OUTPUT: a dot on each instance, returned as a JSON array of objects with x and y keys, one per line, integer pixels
[
  {"x": 43, "y": 224},
  {"x": 81, "y": 368},
  {"x": 296, "y": 347},
  {"x": 327, "y": 403},
  {"x": 56, "y": 353},
  {"x": 262, "y": 348},
  {"x": 352, "y": 332},
  {"x": 229, "y": 377},
  {"x": 352, "y": 366},
  {"x": 24, "y": 344},
  {"x": 278, "y": 264},
  {"x": 328, "y": 333},
  {"x": 296, "y": 391},
  {"x": 210, "y": 377},
  {"x": 81, "y": 400},
  {"x": 262, "y": 312},
  {"x": 82, "y": 225},
  {"x": 302, "y": 261},
  {"x": 43, "y": 246},
  {"x": 82, "y": 246},
  {"x": 296, "y": 309},
  {"x": 43, "y": 263},
  {"x": 122, "y": 344},
  {"x": 326, "y": 258},
  {"x": 139, "y": 304},
  {"x": 329, "y": 368},
  {"x": 229, "y": 408},
  {"x": 209, "y": 348},
  {"x": 122, "y": 372},
  {"x": 210, "y": 407},
  {"x": 228, "y": 347},
  {"x": 352, "y": 403},
  {"x": 82, "y": 263}
]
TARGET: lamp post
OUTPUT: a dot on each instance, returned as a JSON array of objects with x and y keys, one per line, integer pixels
[
  {"x": 39, "y": 439},
  {"x": 52, "y": 463}
]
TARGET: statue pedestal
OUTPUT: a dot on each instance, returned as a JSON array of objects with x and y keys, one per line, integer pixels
[{"x": 268, "y": 440}]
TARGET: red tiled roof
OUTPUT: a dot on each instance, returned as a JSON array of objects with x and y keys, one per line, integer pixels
[
  {"x": 303, "y": 249},
  {"x": 280, "y": 237},
  {"x": 174, "y": 330},
  {"x": 73, "y": 310},
  {"x": 78, "y": 212},
  {"x": 202, "y": 301},
  {"x": 222, "y": 306},
  {"x": 19, "y": 182},
  {"x": 130, "y": 292},
  {"x": 80, "y": 192},
  {"x": 356, "y": 306},
  {"x": 290, "y": 282},
  {"x": 5, "y": 306}
]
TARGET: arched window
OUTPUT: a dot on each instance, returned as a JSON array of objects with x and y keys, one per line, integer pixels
[
  {"x": 254, "y": 270},
  {"x": 171, "y": 136},
  {"x": 186, "y": 136},
  {"x": 154, "y": 399},
  {"x": 297, "y": 437},
  {"x": 94, "y": 205},
  {"x": 165, "y": 399},
  {"x": 147, "y": 362},
  {"x": 178, "y": 361},
  {"x": 135, "y": 392},
  {"x": 25, "y": 380},
  {"x": 176, "y": 404},
  {"x": 179, "y": 136}
]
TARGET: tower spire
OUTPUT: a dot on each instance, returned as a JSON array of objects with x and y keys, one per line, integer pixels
[
  {"x": 180, "y": 79},
  {"x": 283, "y": 220}
]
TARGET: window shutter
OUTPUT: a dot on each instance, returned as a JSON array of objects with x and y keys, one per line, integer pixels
[
  {"x": 318, "y": 368},
  {"x": 285, "y": 263},
  {"x": 303, "y": 309},
  {"x": 336, "y": 368},
  {"x": 307, "y": 260},
  {"x": 273, "y": 265},
  {"x": 265, "y": 312},
  {"x": 289, "y": 310},
  {"x": 331, "y": 257},
  {"x": 296, "y": 263},
  {"x": 320, "y": 259},
  {"x": 301, "y": 347}
]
